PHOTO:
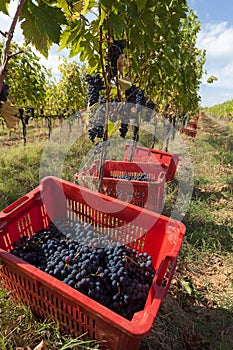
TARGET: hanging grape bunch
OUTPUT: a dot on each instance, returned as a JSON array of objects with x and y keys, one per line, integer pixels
[
  {"x": 140, "y": 97},
  {"x": 4, "y": 93},
  {"x": 125, "y": 117},
  {"x": 96, "y": 124},
  {"x": 94, "y": 85},
  {"x": 140, "y": 101},
  {"x": 130, "y": 96},
  {"x": 30, "y": 113},
  {"x": 116, "y": 50}
]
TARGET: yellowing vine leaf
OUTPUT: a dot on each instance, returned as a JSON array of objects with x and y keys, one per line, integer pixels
[
  {"x": 85, "y": 7},
  {"x": 9, "y": 114},
  {"x": 125, "y": 83},
  {"x": 81, "y": 7},
  {"x": 111, "y": 128},
  {"x": 120, "y": 63},
  {"x": 78, "y": 6}
]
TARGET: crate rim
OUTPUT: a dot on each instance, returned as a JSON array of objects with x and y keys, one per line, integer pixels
[
  {"x": 153, "y": 150},
  {"x": 138, "y": 326}
]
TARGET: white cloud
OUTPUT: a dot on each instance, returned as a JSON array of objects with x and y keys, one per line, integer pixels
[
  {"x": 52, "y": 62},
  {"x": 5, "y": 23},
  {"x": 217, "y": 40}
]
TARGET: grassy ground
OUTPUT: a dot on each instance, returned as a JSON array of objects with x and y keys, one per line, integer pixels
[{"x": 197, "y": 312}]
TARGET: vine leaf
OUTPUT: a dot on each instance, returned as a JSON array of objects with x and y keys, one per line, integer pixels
[
  {"x": 188, "y": 286},
  {"x": 42, "y": 26},
  {"x": 117, "y": 22},
  {"x": 125, "y": 83},
  {"x": 9, "y": 114},
  {"x": 78, "y": 6},
  {"x": 111, "y": 128},
  {"x": 4, "y": 6},
  {"x": 211, "y": 79},
  {"x": 141, "y": 4}
]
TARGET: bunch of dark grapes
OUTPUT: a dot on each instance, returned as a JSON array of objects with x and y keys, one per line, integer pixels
[
  {"x": 96, "y": 126},
  {"x": 139, "y": 177},
  {"x": 130, "y": 94},
  {"x": 4, "y": 92},
  {"x": 140, "y": 97},
  {"x": 30, "y": 113},
  {"x": 21, "y": 113},
  {"x": 111, "y": 273},
  {"x": 123, "y": 129},
  {"x": 95, "y": 131},
  {"x": 125, "y": 119},
  {"x": 151, "y": 105},
  {"x": 116, "y": 49},
  {"x": 94, "y": 85}
]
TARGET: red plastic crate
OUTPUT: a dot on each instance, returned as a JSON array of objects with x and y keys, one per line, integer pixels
[
  {"x": 189, "y": 132},
  {"x": 168, "y": 161},
  {"x": 149, "y": 195},
  {"x": 192, "y": 125},
  {"x": 145, "y": 231}
]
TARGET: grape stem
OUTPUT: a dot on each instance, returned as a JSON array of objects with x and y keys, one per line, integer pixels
[{"x": 127, "y": 257}]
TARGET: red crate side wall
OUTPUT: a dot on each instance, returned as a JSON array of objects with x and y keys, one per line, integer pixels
[
  {"x": 31, "y": 219},
  {"x": 47, "y": 302},
  {"x": 140, "y": 193}
]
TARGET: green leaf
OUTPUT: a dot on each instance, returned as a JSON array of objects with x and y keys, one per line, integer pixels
[
  {"x": 211, "y": 79},
  {"x": 33, "y": 35},
  {"x": 111, "y": 128},
  {"x": 41, "y": 25},
  {"x": 85, "y": 7},
  {"x": 69, "y": 37},
  {"x": 77, "y": 6},
  {"x": 48, "y": 20},
  {"x": 106, "y": 4},
  {"x": 187, "y": 285},
  {"x": 117, "y": 23},
  {"x": 4, "y": 6},
  {"x": 141, "y": 4},
  {"x": 148, "y": 20}
]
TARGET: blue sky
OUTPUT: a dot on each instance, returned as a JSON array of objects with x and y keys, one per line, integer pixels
[{"x": 216, "y": 36}]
